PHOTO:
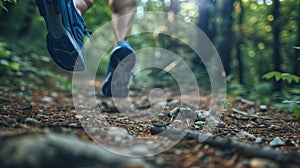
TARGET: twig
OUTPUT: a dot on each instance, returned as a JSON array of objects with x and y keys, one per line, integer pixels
[
  {"x": 250, "y": 115},
  {"x": 246, "y": 101}
]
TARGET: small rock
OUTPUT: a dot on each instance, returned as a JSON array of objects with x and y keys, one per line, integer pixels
[
  {"x": 117, "y": 139},
  {"x": 246, "y": 134},
  {"x": 160, "y": 104},
  {"x": 78, "y": 116},
  {"x": 258, "y": 140},
  {"x": 174, "y": 112},
  {"x": 13, "y": 122},
  {"x": 40, "y": 111},
  {"x": 161, "y": 116},
  {"x": 47, "y": 99},
  {"x": 202, "y": 114},
  {"x": 263, "y": 108},
  {"x": 261, "y": 163},
  {"x": 32, "y": 121},
  {"x": 41, "y": 116},
  {"x": 139, "y": 149},
  {"x": 273, "y": 128},
  {"x": 199, "y": 122},
  {"x": 74, "y": 125},
  {"x": 54, "y": 94},
  {"x": 277, "y": 142},
  {"x": 290, "y": 143},
  {"x": 26, "y": 107},
  {"x": 117, "y": 133},
  {"x": 56, "y": 116},
  {"x": 178, "y": 152},
  {"x": 157, "y": 128},
  {"x": 4, "y": 123},
  {"x": 173, "y": 102}
]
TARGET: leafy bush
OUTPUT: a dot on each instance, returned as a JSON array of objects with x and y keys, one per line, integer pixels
[
  {"x": 282, "y": 76},
  {"x": 27, "y": 70},
  {"x": 3, "y": 1},
  {"x": 292, "y": 96}
]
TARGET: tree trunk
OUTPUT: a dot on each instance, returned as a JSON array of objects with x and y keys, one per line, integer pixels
[
  {"x": 276, "y": 43},
  {"x": 239, "y": 43},
  {"x": 225, "y": 38},
  {"x": 297, "y": 52},
  {"x": 204, "y": 21}
]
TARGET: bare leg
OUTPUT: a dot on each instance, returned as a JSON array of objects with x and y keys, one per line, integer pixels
[
  {"x": 83, "y": 5},
  {"x": 124, "y": 9}
]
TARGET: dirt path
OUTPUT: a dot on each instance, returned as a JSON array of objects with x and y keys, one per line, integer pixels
[{"x": 245, "y": 121}]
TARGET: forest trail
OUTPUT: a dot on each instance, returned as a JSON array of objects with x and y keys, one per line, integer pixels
[{"x": 47, "y": 131}]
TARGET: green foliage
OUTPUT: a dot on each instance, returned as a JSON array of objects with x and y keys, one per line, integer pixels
[
  {"x": 290, "y": 97},
  {"x": 297, "y": 112},
  {"x": 282, "y": 76},
  {"x": 3, "y": 1},
  {"x": 25, "y": 70}
]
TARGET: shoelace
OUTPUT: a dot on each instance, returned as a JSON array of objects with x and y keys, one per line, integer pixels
[{"x": 88, "y": 33}]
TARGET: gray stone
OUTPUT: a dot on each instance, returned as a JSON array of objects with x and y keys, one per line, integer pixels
[
  {"x": 277, "y": 142},
  {"x": 32, "y": 121},
  {"x": 258, "y": 140},
  {"x": 139, "y": 149}
]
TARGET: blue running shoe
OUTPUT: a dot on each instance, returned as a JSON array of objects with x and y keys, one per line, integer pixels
[
  {"x": 65, "y": 33},
  {"x": 122, "y": 60}
]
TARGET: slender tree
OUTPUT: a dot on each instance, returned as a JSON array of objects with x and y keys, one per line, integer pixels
[
  {"x": 240, "y": 12},
  {"x": 297, "y": 53},
  {"x": 276, "y": 26},
  {"x": 205, "y": 20},
  {"x": 224, "y": 40}
]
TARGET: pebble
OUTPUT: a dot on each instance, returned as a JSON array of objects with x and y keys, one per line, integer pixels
[
  {"x": 157, "y": 128},
  {"x": 178, "y": 152},
  {"x": 13, "y": 122},
  {"x": 263, "y": 108},
  {"x": 174, "y": 112},
  {"x": 117, "y": 133},
  {"x": 56, "y": 116},
  {"x": 54, "y": 94},
  {"x": 161, "y": 116},
  {"x": 277, "y": 142},
  {"x": 202, "y": 114},
  {"x": 290, "y": 143},
  {"x": 32, "y": 121},
  {"x": 40, "y": 111},
  {"x": 160, "y": 104},
  {"x": 258, "y": 140},
  {"x": 47, "y": 99},
  {"x": 261, "y": 163},
  {"x": 246, "y": 134},
  {"x": 199, "y": 122},
  {"x": 4, "y": 123},
  {"x": 72, "y": 125},
  {"x": 173, "y": 102},
  {"x": 139, "y": 149},
  {"x": 78, "y": 116},
  {"x": 26, "y": 107},
  {"x": 41, "y": 116}
]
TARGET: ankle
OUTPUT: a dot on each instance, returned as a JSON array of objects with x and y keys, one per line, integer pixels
[{"x": 82, "y": 5}]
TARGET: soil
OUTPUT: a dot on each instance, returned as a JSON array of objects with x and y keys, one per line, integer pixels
[{"x": 241, "y": 120}]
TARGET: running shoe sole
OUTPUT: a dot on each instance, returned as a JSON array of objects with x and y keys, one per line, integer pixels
[
  {"x": 61, "y": 43},
  {"x": 122, "y": 61}
]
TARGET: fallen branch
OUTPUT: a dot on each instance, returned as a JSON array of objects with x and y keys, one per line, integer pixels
[
  {"x": 249, "y": 150},
  {"x": 40, "y": 149}
]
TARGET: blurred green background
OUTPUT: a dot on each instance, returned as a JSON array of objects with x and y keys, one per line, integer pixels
[{"x": 258, "y": 41}]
